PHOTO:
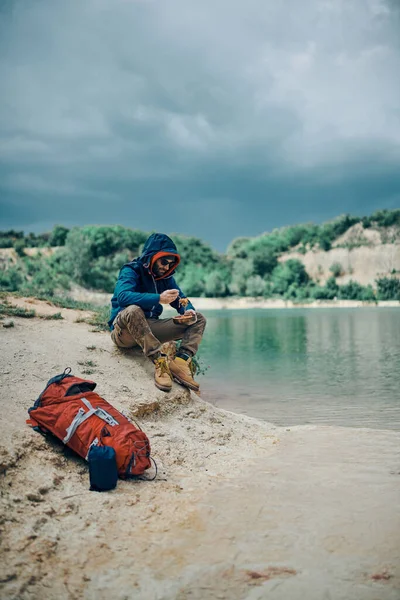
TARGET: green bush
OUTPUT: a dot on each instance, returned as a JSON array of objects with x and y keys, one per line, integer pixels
[
  {"x": 356, "y": 291},
  {"x": 386, "y": 218},
  {"x": 368, "y": 294},
  {"x": 34, "y": 275},
  {"x": 350, "y": 291},
  {"x": 388, "y": 288},
  {"x": 366, "y": 222},
  {"x": 329, "y": 291},
  {"x": 19, "y": 247},
  {"x": 6, "y": 242},
  {"x": 325, "y": 240},
  {"x": 11, "y": 279},
  {"x": 336, "y": 269}
]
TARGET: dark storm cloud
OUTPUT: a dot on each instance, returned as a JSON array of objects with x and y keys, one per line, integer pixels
[{"x": 214, "y": 119}]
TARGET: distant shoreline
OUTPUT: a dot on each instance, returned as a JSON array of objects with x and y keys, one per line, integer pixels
[
  {"x": 248, "y": 303},
  {"x": 100, "y": 299}
]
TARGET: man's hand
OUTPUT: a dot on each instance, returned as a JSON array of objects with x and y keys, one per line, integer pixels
[
  {"x": 191, "y": 313},
  {"x": 168, "y": 296}
]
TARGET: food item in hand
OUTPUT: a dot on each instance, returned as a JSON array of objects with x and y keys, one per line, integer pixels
[{"x": 183, "y": 302}]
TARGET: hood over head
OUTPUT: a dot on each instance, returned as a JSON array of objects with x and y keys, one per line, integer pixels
[{"x": 157, "y": 246}]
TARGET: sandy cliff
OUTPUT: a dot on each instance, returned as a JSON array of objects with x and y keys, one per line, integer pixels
[{"x": 364, "y": 254}]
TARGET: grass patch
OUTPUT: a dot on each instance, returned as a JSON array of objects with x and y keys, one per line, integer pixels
[
  {"x": 59, "y": 301},
  {"x": 54, "y": 317},
  {"x": 100, "y": 318},
  {"x": 65, "y": 302},
  {"x": 90, "y": 347},
  {"x": 88, "y": 372},
  {"x": 6, "y": 310},
  {"x": 87, "y": 363}
]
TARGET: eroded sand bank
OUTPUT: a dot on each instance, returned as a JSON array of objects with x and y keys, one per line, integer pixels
[{"x": 241, "y": 509}]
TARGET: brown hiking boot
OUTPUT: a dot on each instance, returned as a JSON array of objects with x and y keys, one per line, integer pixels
[
  {"x": 162, "y": 375},
  {"x": 182, "y": 371}
]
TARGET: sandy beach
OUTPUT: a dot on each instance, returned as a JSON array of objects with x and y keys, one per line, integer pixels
[{"x": 240, "y": 510}]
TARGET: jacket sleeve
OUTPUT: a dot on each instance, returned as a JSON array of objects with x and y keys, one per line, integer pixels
[
  {"x": 175, "y": 303},
  {"x": 127, "y": 294}
]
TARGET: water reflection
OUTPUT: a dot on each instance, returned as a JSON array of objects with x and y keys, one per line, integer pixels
[{"x": 332, "y": 366}]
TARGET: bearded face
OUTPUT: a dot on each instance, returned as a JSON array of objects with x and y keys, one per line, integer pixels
[{"x": 163, "y": 265}]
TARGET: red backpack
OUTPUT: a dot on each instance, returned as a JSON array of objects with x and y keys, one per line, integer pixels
[{"x": 70, "y": 409}]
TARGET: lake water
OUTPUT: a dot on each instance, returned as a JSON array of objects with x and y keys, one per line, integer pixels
[{"x": 292, "y": 367}]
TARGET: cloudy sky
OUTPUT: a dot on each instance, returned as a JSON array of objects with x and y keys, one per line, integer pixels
[{"x": 214, "y": 118}]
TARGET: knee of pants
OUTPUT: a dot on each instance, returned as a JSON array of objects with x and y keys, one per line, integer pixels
[
  {"x": 133, "y": 312},
  {"x": 201, "y": 319}
]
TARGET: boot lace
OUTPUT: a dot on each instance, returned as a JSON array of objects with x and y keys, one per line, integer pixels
[
  {"x": 162, "y": 365},
  {"x": 193, "y": 368}
]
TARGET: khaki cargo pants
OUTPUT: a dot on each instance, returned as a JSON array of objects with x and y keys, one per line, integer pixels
[{"x": 131, "y": 328}]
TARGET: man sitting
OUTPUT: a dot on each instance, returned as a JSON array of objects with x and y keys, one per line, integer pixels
[{"x": 143, "y": 286}]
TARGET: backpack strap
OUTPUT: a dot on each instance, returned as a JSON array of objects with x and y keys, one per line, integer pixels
[{"x": 82, "y": 415}]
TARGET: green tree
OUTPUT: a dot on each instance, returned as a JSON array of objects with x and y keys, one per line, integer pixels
[
  {"x": 242, "y": 269},
  {"x": 264, "y": 260},
  {"x": 78, "y": 255},
  {"x": 194, "y": 251},
  {"x": 287, "y": 273},
  {"x": 216, "y": 284},
  {"x": 325, "y": 240},
  {"x": 58, "y": 236},
  {"x": 193, "y": 283},
  {"x": 93, "y": 255},
  {"x": 237, "y": 248},
  {"x": 255, "y": 286}
]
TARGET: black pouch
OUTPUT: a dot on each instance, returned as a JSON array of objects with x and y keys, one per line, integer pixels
[{"x": 103, "y": 471}]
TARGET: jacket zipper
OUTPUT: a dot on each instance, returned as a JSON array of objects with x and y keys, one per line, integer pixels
[{"x": 155, "y": 287}]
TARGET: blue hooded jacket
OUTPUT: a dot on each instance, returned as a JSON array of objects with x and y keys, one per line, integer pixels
[{"x": 137, "y": 284}]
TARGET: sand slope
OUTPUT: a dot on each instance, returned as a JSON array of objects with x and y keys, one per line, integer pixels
[{"x": 240, "y": 510}]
